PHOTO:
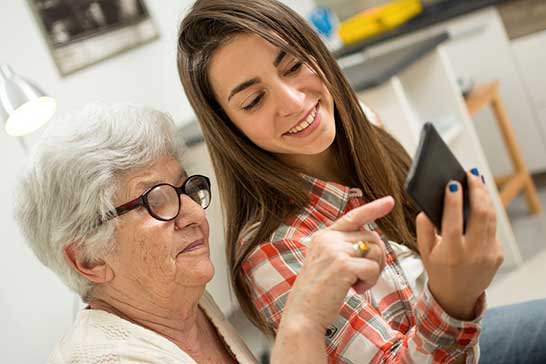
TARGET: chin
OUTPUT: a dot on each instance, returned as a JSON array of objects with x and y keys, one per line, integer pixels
[
  {"x": 324, "y": 142},
  {"x": 203, "y": 271},
  {"x": 195, "y": 272}
]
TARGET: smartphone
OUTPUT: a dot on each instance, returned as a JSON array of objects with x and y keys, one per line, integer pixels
[{"x": 433, "y": 167}]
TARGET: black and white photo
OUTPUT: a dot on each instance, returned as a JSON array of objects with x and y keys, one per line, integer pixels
[{"x": 83, "y": 32}]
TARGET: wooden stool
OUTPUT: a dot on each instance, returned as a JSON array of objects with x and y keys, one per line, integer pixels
[{"x": 509, "y": 186}]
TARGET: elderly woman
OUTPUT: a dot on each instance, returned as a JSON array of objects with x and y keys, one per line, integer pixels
[{"x": 107, "y": 205}]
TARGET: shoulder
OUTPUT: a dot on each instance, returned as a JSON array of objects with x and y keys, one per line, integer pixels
[
  {"x": 291, "y": 235},
  {"x": 98, "y": 337},
  {"x": 285, "y": 248},
  {"x": 285, "y": 243}
]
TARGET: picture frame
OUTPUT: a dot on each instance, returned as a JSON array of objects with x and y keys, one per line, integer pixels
[{"x": 81, "y": 33}]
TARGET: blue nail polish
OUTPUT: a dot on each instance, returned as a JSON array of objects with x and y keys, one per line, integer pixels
[
  {"x": 475, "y": 172},
  {"x": 453, "y": 187}
]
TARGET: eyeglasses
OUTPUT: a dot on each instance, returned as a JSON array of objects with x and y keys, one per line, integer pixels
[{"x": 163, "y": 200}]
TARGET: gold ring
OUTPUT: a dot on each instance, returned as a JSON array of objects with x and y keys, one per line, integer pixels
[{"x": 361, "y": 248}]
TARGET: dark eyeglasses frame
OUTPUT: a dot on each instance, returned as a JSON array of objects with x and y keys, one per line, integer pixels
[{"x": 142, "y": 200}]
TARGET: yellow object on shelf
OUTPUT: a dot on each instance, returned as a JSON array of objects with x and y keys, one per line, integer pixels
[{"x": 376, "y": 20}]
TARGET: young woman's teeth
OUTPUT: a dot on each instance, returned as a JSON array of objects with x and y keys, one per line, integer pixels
[{"x": 304, "y": 124}]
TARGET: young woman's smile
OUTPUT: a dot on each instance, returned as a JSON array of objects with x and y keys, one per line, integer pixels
[
  {"x": 306, "y": 126},
  {"x": 277, "y": 101}
]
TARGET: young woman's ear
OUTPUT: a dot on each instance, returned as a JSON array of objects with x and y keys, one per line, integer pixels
[{"x": 95, "y": 272}]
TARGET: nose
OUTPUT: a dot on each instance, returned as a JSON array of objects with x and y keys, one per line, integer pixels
[
  {"x": 191, "y": 213},
  {"x": 291, "y": 99}
]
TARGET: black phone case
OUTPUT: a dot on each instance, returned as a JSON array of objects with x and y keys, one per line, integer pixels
[{"x": 433, "y": 167}]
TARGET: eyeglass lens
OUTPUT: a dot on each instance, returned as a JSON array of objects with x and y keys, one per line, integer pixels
[
  {"x": 198, "y": 189},
  {"x": 164, "y": 201}
]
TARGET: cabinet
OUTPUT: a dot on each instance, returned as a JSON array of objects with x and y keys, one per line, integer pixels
[
  {"x": 487, "y": 55},
  {"x": 428, "y": 91},
  {"x": 530, "y": 56},
  {"x": 479, "y": 50},
  {"x": 542, "y": 117}
]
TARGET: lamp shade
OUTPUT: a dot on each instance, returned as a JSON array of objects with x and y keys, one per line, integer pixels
[{"x": 24, "y": 107}]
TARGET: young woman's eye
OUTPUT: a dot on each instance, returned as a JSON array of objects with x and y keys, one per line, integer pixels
[
  {"x": 295, "y": 68},
  {"x": 254, "y": 102}
]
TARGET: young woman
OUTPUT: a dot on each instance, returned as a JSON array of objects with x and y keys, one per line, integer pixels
[{"x": 293, "y": 152}]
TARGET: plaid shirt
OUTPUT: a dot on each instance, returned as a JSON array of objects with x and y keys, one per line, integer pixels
[{"x": 387, "y": 324}]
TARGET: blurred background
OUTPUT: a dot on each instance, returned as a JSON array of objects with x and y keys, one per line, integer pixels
[{"x": 473, "y": 68}]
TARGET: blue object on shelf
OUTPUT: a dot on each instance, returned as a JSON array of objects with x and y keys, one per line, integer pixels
[{"x": 322, "y": 20}]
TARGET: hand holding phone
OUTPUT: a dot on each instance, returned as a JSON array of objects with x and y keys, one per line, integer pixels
[
  {"x": 433, "y": 167},
  {"x": 462, "y": 259}
]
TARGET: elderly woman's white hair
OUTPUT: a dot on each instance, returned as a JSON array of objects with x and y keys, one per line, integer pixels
[{"x": 73, "y": 175}]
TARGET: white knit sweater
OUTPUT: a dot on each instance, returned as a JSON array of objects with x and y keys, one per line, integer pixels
[{"x": 99, "y": 337}]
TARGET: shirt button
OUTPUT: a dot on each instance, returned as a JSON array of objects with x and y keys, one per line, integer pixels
[{"x": 331, "y": 331}]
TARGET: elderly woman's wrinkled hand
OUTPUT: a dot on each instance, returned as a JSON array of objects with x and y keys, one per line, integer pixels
[{"x": 331, "y": 267}]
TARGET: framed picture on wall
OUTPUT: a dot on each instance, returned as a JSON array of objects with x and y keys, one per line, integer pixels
[{"x": 83, "y": 32}]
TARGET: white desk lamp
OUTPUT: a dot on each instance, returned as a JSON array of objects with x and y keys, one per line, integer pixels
[{"x": 23, "y": 106}]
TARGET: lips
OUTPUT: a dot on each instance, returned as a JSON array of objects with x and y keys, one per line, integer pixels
[
  {"x": 197, "y": 244},
  {"x": 305, "y": 122}
]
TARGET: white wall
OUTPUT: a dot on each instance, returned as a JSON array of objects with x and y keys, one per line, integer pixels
[
  {"x": 35, "y": 308},
  {"x": 146, "y": 74}
]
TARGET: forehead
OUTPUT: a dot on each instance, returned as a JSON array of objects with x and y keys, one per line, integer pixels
[
  {"x": 241, "y": 58},
  {"x": 165, "y": 169}
]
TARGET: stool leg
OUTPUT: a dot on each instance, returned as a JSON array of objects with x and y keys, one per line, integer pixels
[
  {"x": 515, "y": 154},
  {"x": 532, "y": 197}
]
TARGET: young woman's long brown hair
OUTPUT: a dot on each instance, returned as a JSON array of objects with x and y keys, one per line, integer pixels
[{"x": 254, "y": 185}]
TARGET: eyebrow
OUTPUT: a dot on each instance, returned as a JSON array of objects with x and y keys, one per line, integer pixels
[
  {"x": 255, "y": 80},
  {"x": 279, "y": 58},
  {"x": 145, "y": 185},
  {"x": 243, "y": 86}
]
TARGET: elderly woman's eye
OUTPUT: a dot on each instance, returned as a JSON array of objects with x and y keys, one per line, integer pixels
[
  {"x": 159, "y": 197},
  {"x": 156, "y": 203}
]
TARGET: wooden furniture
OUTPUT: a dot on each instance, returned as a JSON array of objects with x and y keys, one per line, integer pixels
[{"x": 511, "y": 185}]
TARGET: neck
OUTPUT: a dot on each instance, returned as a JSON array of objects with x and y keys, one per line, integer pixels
[
  {"x": 323, "y": 165},
  {"x": 177, "y": 319}
]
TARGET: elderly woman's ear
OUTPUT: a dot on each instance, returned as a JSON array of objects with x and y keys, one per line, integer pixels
[{"x": 96, "y": 272}]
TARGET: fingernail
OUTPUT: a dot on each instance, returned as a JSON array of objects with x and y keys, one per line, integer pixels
[
  {"x": 453, "y": 187},
  {"x": 475, "y": 172},
  {"x": 483, "y": 179}
]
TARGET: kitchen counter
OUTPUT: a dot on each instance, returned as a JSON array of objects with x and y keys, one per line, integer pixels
[
  {"x": 431, "y": 15},
  {"x": 375, "y": 71}
]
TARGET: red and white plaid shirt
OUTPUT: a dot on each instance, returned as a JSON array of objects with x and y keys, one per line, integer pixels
[{"x": 388, "y": 324}]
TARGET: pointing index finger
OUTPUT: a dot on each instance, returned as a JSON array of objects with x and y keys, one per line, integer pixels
[{"x": 355, "y": 219}]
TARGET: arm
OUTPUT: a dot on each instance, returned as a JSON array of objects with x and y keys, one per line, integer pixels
[
  {"x": 299, "y": 342},
  {"x": 361, "y": 333},
  {"x": 329, "y": 271},
  {"x": 444, "y": 327}
]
